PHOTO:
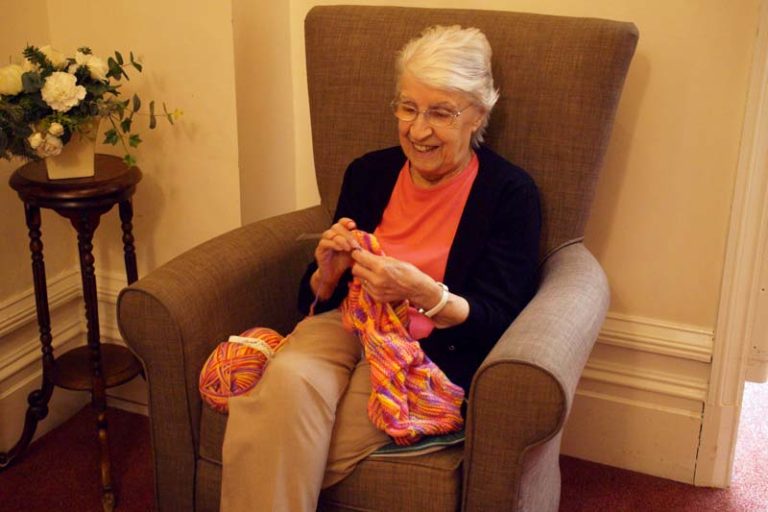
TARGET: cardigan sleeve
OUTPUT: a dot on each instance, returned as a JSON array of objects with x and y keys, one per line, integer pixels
[{"x": 503, "y": 279}]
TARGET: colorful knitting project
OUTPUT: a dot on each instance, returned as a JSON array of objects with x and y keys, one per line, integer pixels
[
  {"x": 411, "y": 396},
  {"x": 237, "y": 365}
]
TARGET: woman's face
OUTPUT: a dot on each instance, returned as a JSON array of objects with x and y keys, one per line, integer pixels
[{"x": 436, "y": 153}]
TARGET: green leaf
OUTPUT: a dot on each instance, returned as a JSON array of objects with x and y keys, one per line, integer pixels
[
  {"x": 168, "y": 114},
  {"x": 119, "y": 57},
  {"x": 136, "y": 103},
  {"x": 115, "y": 70},
  {"x": 125, "y": 125},
  {"x": 152, "y": 119},
  {"x": 97, "y": 89},
  {"x": 85, "y": 50},
  {"x": 135, "y": 64},
  {"x": 129, "y": 160},
  {"x": 32, "y": 82},
  {"x": 111, "y": 137},
  {"x": 134, "y": 140},
  {"x": 82, "y": 75}
]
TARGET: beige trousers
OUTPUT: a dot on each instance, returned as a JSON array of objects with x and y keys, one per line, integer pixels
[{"x": 304, "y": 426}]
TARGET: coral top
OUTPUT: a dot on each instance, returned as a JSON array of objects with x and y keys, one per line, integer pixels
[{"x": 419, "y": 224}]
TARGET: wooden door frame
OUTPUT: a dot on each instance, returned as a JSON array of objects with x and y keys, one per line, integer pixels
[{"x": 740, "y": 285}]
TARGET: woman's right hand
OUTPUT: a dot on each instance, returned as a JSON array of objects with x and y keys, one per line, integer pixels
[{"x": 333, "y": 256}]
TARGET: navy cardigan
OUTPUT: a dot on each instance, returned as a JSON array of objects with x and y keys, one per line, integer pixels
[{"x": 492, "y": 262}]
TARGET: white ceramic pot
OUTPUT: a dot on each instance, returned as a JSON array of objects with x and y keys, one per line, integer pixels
[{"x": 76, "y": 157}]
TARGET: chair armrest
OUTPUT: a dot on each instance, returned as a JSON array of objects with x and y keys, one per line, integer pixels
[
  {"x": 174, "y": 317},
  {"x": 521, "y": 394}
]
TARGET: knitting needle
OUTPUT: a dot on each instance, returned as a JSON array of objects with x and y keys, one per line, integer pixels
[
  {"x": 316, "y": 236},
  {"x": 309, "y": 236}
]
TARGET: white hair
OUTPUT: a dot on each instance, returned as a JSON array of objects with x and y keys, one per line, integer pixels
[{"x": 456, "y": 59}]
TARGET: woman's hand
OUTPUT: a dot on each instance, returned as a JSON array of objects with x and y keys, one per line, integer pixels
[
  {"x": 388, "y": 279},
  {"x": 332, "y": 255}
]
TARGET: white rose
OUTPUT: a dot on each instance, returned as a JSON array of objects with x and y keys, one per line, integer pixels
[
  {"x": 10, "y": 80},
  {"x": 35, "y": 140},
  {"x": 56, "y": 57},
  {"x": 56, "y": 129},
  {"x": 51, "y": 146},
  {"x": 61, "y": 91},
  {"x": 96, "y": 66},
  {"x": 81, "y": 59}
]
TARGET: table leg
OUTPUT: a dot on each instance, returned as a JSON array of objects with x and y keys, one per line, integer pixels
[
  {"x": 85, "y": 225},
  {"x": 129, "y": 250},
  {"x": 38, "y": 399}
]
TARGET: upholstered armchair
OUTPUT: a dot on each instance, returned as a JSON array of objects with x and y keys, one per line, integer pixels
[{"x": 560, "y": 81}]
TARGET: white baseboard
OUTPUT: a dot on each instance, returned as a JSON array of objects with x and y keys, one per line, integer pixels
[
  {"x": 657, "y": 337},
  {"x": 640, "y": 400}
]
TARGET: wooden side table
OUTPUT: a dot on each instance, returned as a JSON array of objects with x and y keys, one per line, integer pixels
[{"x": 93, "y": 367}]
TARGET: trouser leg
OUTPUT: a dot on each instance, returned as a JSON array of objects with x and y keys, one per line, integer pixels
[
  {"x": 277, "y": 438},
  {"x": 354, "y": 436}
]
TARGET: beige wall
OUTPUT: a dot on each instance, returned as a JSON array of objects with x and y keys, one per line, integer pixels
[
  {"x": 265, "y": 108},
  {"x": 29, "y": 26},
  {"x": 661, "y": 212},
  {"x": 190, "y": 191}
]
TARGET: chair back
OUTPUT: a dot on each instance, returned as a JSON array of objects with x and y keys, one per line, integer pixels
[{"x": 560, "y": 80}]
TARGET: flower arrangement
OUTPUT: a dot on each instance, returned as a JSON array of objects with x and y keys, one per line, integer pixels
[{"x": 50, "y": 98}]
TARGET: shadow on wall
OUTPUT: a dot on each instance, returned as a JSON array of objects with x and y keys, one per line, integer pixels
[{"x": 602, "y": 227}]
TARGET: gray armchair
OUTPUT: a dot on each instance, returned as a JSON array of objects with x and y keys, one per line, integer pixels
[{"x": 561, "y": 80}]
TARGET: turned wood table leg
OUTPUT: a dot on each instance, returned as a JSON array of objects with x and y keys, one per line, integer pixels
[
  {"x": 85, "y": 225},
  {"x": 129, "y": 250},
  {"x": 91, "y": 367},
  {"x": 38, "y": 399}
]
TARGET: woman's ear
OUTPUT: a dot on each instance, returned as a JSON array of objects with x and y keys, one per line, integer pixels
[{"x": 477, "y": 123}]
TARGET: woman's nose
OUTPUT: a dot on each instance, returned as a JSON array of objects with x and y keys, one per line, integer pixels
[{"x": 420, "y": 128}]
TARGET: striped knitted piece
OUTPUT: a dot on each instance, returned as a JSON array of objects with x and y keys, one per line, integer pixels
[{"x": 410, "y": 395}]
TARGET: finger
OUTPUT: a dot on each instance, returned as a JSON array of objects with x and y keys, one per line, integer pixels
[
  {"x": 365, "y": 258},
  {"x": 349, "y": 241},
  {"x": 336, "y": 239},
  {"x": 363, "y": 273},
  {"x": 331, "y": 245},
  {"x": 348, "y": 223}
]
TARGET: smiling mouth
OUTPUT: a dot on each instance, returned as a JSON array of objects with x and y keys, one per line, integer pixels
[{"x": 421, "y": 148}]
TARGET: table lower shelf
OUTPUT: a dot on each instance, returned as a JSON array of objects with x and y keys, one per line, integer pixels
[{"x": 74, "y": 370}]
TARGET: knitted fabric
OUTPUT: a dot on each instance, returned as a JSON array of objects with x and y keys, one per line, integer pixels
[
  {"x": 236, "y": 366},
  {"x": 410, "y": 396}
]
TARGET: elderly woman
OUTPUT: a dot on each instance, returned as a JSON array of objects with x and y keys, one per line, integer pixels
[{"x": 459, "y": 228}]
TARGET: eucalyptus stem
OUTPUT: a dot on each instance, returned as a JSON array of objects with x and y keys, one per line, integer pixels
[{"x": 119, "y": 134}]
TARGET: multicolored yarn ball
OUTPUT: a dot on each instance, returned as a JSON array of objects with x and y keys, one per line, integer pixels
[{"x": 236, "y": 365}]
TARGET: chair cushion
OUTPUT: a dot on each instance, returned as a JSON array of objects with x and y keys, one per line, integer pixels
[{"x": 422, "y": 482}]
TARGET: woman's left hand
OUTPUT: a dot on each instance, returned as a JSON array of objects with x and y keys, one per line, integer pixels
[{"x": 388, "y": 279}]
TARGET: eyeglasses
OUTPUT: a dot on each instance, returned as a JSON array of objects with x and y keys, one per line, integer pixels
[{"x": 437, "y": 117}]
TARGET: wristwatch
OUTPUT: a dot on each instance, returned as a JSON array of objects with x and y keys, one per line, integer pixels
[{"x": 439, "y": 306}]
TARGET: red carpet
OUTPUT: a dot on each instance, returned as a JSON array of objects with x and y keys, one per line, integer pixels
[
  {"x": 590, "y": 487},
  {"x": 58, "y": 473}
]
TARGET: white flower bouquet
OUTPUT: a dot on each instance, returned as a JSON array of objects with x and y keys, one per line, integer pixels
[{"x": 49, "y": 98}]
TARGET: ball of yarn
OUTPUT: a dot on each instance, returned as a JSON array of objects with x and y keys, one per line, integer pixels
[{"x": 235, "y": 367}]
